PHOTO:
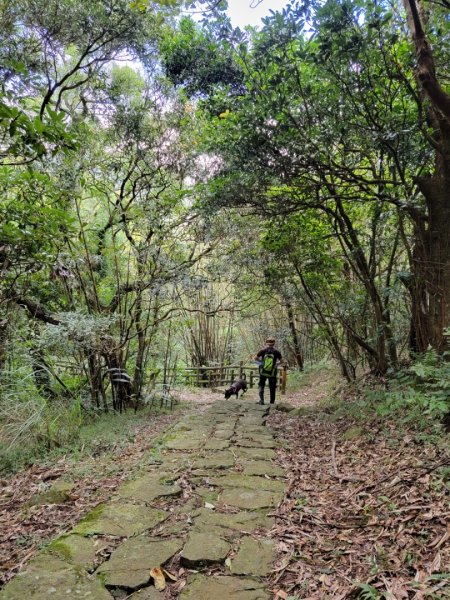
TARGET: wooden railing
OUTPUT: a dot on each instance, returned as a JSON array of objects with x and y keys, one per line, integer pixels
[{"x": 225, "y": 375}]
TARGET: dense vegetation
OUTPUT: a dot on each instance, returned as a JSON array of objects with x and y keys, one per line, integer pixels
[{"x": 171, "y": 192}]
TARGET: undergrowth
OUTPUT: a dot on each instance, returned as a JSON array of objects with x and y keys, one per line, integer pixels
[
  {"x": 37, "y": 429},
  {"x": 416, "y": 397}
]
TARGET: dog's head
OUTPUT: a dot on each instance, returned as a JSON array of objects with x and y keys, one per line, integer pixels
[{"x": 228, "y": 393}]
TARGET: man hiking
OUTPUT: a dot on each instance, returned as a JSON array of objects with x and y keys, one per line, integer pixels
[{"x": 268, "y": 358}]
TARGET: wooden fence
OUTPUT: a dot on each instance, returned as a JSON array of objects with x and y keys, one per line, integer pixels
[{"x": 225, "y": 375}]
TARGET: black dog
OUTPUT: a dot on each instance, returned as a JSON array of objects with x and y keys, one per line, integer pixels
[{"x": 236, "y": 387}]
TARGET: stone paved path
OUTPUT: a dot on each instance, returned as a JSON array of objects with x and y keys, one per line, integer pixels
[{"x": 200, "y": 502}]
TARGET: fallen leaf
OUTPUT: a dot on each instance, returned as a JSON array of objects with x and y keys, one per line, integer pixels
[
  {"x": 281, "y": 594},
  {"x": 436, "y": 564},
  {"x": 210, "y": 506},
  {"x": 159, "y": 579},
  {"x": 169, "y": 575}
]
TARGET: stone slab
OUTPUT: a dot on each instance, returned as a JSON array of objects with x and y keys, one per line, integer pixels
[
  {"x": 121, "y": 519},
  {"x": 254, "y": 557},
  {"x": 215, "y": 444},
  {"x": 50, "y": 578},
  {"x": 148, "y": 488},
  {"x": 185, "y": 443},
  {"x": 245, "y": 481},
  {"x": 174, "y": 461},
  {"x": 201, "y": 587},
  {"x": 217, "y": 460},
  {"x": 254, "y": 467},
  {"x": 129, "y": 565},
  {"x": 254, "y": 429},
  {"x": 75, "y": 549},
  {"x": 256, "y": 453},
  {"x": 245, "y": 421},
  {"x": 242, "y": 521},
  {"x": 224, "y": 434},
  {"x": 250, "y": 499},
  {"x": 204, "y": 549},
  {"x": 207, "y": 494},
  {"x": 148, "y": 593},
  {"x": 255, "y": 442}
]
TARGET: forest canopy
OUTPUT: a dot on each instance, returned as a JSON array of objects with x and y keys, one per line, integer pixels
[{"x": 174, "y": 190}]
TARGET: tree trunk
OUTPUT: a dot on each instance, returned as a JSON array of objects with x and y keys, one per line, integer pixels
[
  {"x": 4, "y": 329},
  {"x": 295, "y": 340},
  {"x": 432, "y": 259},
  {"x": 435, "y": 268}
]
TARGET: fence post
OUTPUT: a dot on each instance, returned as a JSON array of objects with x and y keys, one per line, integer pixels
[{"x": 283, "y": 380}]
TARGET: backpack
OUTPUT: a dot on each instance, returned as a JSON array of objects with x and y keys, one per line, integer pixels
[{"x": 269, "y": 364}]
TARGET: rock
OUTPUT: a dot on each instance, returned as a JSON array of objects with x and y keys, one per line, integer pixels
[
  {"x": 284, "y": 407},
  {"x": 250, "y": 499},
  {"x": 217, "y": 444},
  {"x": 217, "y": 460},
  {"x": 174, "y": 460},
  {"x": 183, "y": 443},
  {"x": 204, "y": 549},
  {"x": 148, "y": 593},
  {"x": 75, "y": 549},
  {"x": 207, "y": 494},
  {"x": 148, "y": 488},
  {"x": 256, "y": 453},
  {"x": 254, "y": 557},
  {"x": 201, "y": 587},
  {"x": 59, "y": 493},
  {"x": 241, "y": 521},
  {"x": 252, "y": 421},
  {"x": 254, "y": 467},
  {"x": 121, "y": 519},
  {"x": 50, "y": 578},
  {"x": 129, "y": 566},
  {"x": 224, "y": 434},
  {"x": 255, "y": 442},
  {"x": 245, "y": 481}
]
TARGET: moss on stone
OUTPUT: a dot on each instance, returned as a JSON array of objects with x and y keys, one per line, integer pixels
[
  {"x": 93, "y": 515},
  {"x": 60, "y": 548}
]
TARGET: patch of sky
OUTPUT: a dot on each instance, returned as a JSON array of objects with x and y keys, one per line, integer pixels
[{"x": 250, "y": 12}]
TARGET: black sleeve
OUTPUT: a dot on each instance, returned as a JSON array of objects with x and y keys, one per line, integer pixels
[{"x": 278, "y": 355}]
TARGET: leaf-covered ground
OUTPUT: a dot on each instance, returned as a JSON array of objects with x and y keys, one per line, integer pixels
[
  {"x": 25, "y": 526},
  {"x": 365, "y": 514}
]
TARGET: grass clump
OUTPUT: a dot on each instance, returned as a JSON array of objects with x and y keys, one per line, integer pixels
[{"x": 36, "y": 429}]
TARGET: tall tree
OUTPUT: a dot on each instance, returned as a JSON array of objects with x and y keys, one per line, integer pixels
[{"x": 432, "y": 252}]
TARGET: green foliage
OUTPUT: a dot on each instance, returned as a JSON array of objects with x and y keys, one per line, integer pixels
[
  {"x": 423, "y": 389},
  {"x": 31, "y": 424},
  {"x": 368, "y": 592},
  {"x": 417, "y": 396},
  {"x": 192, "y": 58}
]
